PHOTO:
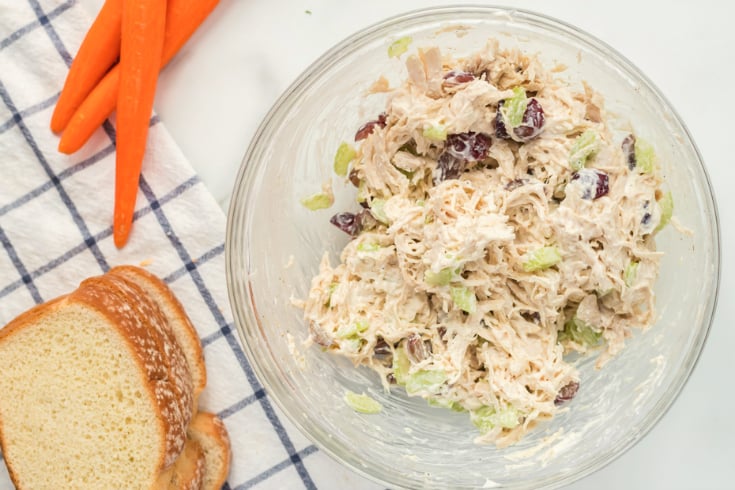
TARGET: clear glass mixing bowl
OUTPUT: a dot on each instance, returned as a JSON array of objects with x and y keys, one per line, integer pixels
[{"x": 274, "y": 246}]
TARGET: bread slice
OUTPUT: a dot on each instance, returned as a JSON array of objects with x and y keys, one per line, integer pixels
[
  {"x": 95, "y": 391},
  {"x": 187, "y": 472},
  {"x": 209, "y": 431},
  {"x": 185, "y": 333}
]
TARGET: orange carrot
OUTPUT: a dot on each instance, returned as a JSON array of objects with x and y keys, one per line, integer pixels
[
  {"x": 182, "y": 19},
  {"x": 141, "y": 49},
  {"x": 97, "y": 53}
]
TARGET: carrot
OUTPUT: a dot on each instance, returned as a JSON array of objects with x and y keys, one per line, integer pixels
[
  {"x": 141, "y": 49},
  {"x": 97, "y": 53},
  {"x": 182, "y": 19}
]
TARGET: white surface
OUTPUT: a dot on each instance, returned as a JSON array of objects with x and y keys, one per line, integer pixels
[{"x": 215, "y": 92}]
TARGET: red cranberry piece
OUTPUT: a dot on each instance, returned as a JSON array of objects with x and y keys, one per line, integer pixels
[
  {"x": 566, "y": 393},
  {"x": 515, "y": 184},
  {"x": 417, "y": 349},
  {"x": 448, "y": 167},
  {"x": 628, "y": 146},
  {"x": 500, "y": 130},
  {"x": 369, "y": 127},
  {"x": 532, "y": 123},
  {"x": 350, "y": 223},
  {"x": 469, "y": 146},
  {"x": 382, "y": 350},
  {"x": 595, "y": 183},
  {"x": 457, "y": 77}
]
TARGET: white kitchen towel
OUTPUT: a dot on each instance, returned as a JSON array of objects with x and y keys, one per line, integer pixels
[{"x": 55, "y": 230}]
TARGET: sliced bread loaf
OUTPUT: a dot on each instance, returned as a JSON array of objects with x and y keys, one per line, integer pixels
[
  {"x": 185, "y": 333},
  {"x": 209, "y": 431},
  {"x": 187, "y": 472},
  {"x": 96, "y": 392}
]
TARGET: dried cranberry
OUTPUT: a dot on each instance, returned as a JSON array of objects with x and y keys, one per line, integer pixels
[
  {"x": 566, "y": 393},
  {"x": 382, "y": 350},
  {"x": 369, "y": 127},
  {"x": 500, "y": 130},
  {"x": 469, "y": 146},
  {"x": 532, "y": 123},
  {"x": 448, "y": 167},
  {"x": 595, "y": 183},
  {"x": 457, "y": 77},
  {"x": 417, "y": 349},
  {"x": 628, "y": 146},
  {"x": 460, "y": 149},
  {"x": 350, "y": 223}
]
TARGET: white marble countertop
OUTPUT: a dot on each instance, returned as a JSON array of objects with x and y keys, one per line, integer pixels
[{"x": 215, "y": 92}]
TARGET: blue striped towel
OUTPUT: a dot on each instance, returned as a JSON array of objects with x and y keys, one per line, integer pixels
[{"x": 55, "y": 230}]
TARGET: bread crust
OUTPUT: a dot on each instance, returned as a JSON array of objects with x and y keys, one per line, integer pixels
[
  {"x": 212, "y": 434},
  {"x": 144, "y": 327},
  {"x": 184, "y": 331}
]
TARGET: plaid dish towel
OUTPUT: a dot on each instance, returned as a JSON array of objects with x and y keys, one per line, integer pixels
[{"x": 55, "y": 230}]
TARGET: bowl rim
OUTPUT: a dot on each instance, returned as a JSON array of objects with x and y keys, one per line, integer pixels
[{"x": 524, "y": 16}]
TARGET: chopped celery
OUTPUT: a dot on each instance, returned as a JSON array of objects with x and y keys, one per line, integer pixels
[
  {"x": 667, "y": 210},
  {"x": 320, "y": 200},
  {"x": 577, "y": 331},
  {"x": 631, "y": 270},
  {"x": 425, "y": 380},
  {"x": 399, "y": 46},
  {"x": 345, "y": 154},
  {"x": 542, "y": 258},
  {"x": 464, "y": 299},
  {"x": 368, "y": 247},
  {"x": 487, "y": 418},
  {"x": 401, "y": 365},
  {"x": 444, "y": 403},
  {"x": 644, "y": 156},
  {"x": 352, "y": 330},
  {"x": 362, "y": 403},
  {"x": 514, "y": 108},
  {"x": 585, "y": 145},
  {"x": 441, "y": 278},
  {"x": 436, "y": 133},
  {"x": 330, "y": 291},
  {"x": 362, "y": 192},
  {"x": 377, "y": 209}
]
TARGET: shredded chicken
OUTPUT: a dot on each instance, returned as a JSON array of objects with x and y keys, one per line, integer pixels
[{"x": 481, "y": 271}]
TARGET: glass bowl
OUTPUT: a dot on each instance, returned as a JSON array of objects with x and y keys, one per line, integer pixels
[{"x": 274, "y": 246}]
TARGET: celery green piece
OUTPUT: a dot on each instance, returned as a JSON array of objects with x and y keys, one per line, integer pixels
[
  {"x": 401, "y": 365},
  {"x": 585, "y": 145},
  {"x": 436, "y": 133},
  {"x": 362, "y": 403},
  {"x": 443, "y": 403},
  {"x": 345, "y": 154},
  {"x": 368, "y": 247},
  {"x": 644, "y": 156},
  {"x": 487, "y": 418},
  {"x": 377, "y": 209},
  {"x": 441, "y": 278},
  {"x": 667, "y": 210},
  {"x": 630, "y": 273},
  {"x": 353, "y": 330},
  {"x": 464, "y": 299},
  {"x": 514, "y": 108},
  {"x": 542, "y": 258},
  {"x": 331, "y": 289},
  {"x": 577, "y": 331},
  {"x": 320, "y": 200},
  {"x": 400, "y": 46},
  {"x": 362, "y": 192},
  {"x": 425, "y": 380}
]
